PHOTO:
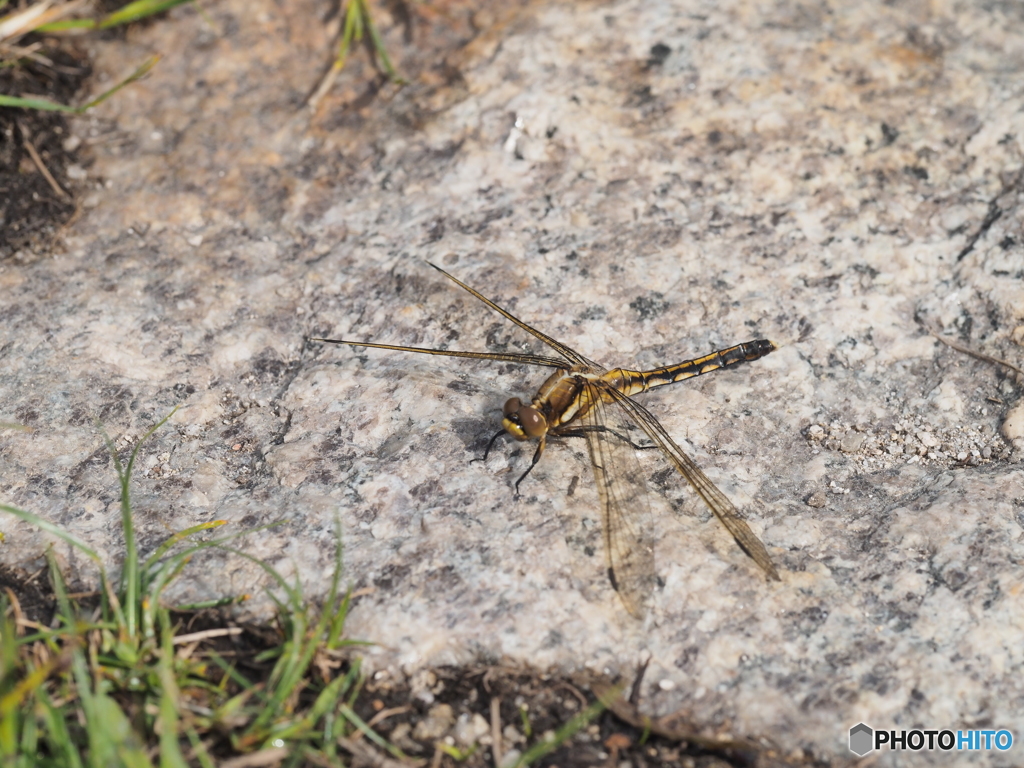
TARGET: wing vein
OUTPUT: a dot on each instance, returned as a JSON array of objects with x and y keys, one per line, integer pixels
[
  {"x": 626, "y": 516},
  {"x": 719, "y": 503},
  {"x": 509, "y": 357},
  {"x": 565, "y": 350}
]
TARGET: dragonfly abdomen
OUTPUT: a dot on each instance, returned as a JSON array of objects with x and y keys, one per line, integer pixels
[{"x": 640, "y": 381}]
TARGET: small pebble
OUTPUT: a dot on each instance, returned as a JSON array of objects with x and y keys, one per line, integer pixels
[
  {"x": 818, "y": 499},
  {"x": 852, "y": 442}
]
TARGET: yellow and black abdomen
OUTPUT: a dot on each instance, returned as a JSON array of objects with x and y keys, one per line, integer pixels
[{"x": 634, "y": 382}]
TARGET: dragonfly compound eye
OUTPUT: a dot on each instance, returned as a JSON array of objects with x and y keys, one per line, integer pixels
[
  {"x": 523, "y": 422},
  {"x": 534, "y": 423}
]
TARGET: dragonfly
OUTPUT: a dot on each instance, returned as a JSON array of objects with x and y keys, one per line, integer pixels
[{"x": 583, "y": 399}]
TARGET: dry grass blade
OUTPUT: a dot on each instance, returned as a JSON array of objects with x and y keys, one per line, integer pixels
[
  {"x": 207, "y": 634},
  {"x": 496, "y": 750},
  {"x": 22, "y": 22},
  {"x": 369, "y": 756},
  {"x": 357, "y": 21},
  {"x": 265, "y": 757}
]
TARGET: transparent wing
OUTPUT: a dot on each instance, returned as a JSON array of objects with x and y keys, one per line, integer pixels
[
  {"x": 628, "y": 530},
  {"x": 565, "y": 350},
  {"x": 707, "y": 490},
  {"x": 550, "y": 362}
]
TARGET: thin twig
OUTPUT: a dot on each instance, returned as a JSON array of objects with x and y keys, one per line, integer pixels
[
  {"x": 384, "y": 714},
  {"x": 575, "y": 692},
  {"x": 42, "y": 168},
  {"x": 207, "y": 634},
  {"x": 380, "y": 717},
  {"x": 979, "y": 355}
]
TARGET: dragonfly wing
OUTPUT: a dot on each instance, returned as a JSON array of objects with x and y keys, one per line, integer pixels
[
  {"x": 719, "y": 503},
  {"x": 627, "y": 527},
  {"x": 564, "y": 350},
  {"x": 550, "y": 362}
]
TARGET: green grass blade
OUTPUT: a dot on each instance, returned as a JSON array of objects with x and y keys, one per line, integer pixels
[
  {"x": 180, "y": 536},
  {"x": 137, "y": 10},
  {"x": 562, "y": 735},
  {"x": 138, "y": 74},
  {"x": 29, "y": 737},
  {"x": 202, "y": 755},
  {"x": 325, "y": 702},
  {"x": 74, "y": 541},
  {"x": 338, "y": 615},
  {"x": 64, "y": 609},
  {"x": 41, "y": 104},
  {"x": 130, "y": 575},
  {"x": 352, "y": 33},
  {"x": 56, "y": 732},
  {"x": 101, "y": 748},
  {"x": 369, "y": 733},
  {"x": 156, "y": 580},
  {"x": 354, "y": 680},
  {"x": 334, "y": 640},
  {"x": 10, "y": 696},
  {"x": 378, "y": 46},
  {"x": 294, "y": 597},
  {"x": 218, "y": 603},
  {"x": 46, "y": 105},
  {"x": 65, "y": 24},
  {"x": 153, "y": 580},
  {"x": 170, "y": 750},
  {"x": 52, "y": 529},
  {"x": 117, "y": 731},
  {"x": 286, "y": 676},
  {"x": 12, "y": 701},
  {"x": 354, "y": 20},
  {"x": 153, "y": 589},
  {"x": 236, "y": 677}
]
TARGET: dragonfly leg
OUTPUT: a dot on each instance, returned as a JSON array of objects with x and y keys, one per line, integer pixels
[
  {"x": 582, "y": 432},
  {"x": 536, "y": 457},
  {"x": 490, "y": 444}
]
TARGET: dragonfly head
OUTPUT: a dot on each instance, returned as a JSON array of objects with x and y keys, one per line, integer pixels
[{"x": 523, "y": 422}]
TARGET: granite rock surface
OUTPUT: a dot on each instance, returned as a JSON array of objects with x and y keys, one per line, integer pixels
[{"x": 645, "y": 181}]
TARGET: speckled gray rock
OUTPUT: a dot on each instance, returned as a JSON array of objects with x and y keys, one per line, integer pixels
[{"x": 647, "y": 182}]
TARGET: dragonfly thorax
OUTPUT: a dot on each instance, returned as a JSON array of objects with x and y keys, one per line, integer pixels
[{"x": 523, "y": 422}]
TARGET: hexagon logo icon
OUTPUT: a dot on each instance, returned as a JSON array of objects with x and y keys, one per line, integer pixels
[{"x": 861, "y": 739}]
